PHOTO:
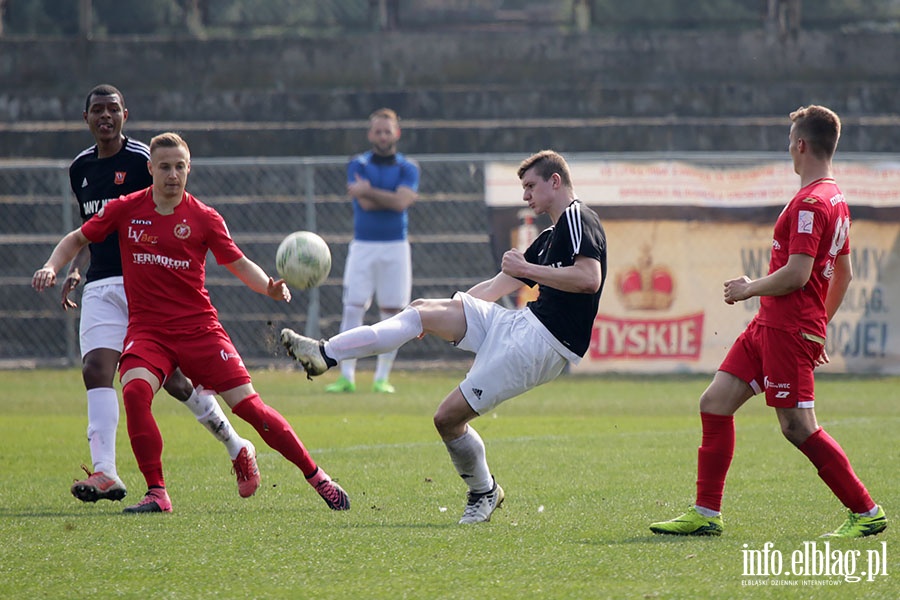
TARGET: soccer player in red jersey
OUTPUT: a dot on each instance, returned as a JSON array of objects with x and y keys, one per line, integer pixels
[
  {"x": 114, "y": 166},
  {"x": 809, "y": 273},
  {"x": 164, "y": 236}
]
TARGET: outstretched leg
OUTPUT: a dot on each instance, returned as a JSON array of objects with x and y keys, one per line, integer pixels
[
  {"x": 444, "y": 318},
  {"x": 366, "y": 340}
]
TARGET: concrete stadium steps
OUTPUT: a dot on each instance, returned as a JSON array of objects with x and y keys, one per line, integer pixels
[
  {"x": 343, "y": 138},
  {"x": 459, "y": 92},
  {"x": 584, "y": 98}
]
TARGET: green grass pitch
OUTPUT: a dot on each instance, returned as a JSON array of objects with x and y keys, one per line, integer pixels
[{"x": 587, "y": 463}]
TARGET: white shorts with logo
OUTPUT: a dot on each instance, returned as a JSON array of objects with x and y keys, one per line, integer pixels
[
  {"x": 104, "y": 315},
  {"x": 512, "y": 353},
  {"x": 379, "y": 269}
]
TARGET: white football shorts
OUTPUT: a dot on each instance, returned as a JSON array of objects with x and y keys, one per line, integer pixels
[
  {"x": 382, "y": 270},
  {"x": 104, "y": 315},
  {"x": 512, "y": 354}
]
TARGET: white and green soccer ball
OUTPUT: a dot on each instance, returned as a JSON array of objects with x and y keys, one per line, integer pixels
[{"x": 303, "y": 260}]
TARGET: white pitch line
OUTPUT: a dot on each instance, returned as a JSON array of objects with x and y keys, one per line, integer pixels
[{"x": 545, "y": 438}]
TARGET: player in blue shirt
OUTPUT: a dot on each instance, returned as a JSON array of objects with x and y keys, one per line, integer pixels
[{"x": 383, "y": 184}]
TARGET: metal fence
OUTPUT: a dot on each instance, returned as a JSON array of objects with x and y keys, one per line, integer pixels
[
  {"x": 456, "y": 237},
  {"x": 262, "y": 200}
]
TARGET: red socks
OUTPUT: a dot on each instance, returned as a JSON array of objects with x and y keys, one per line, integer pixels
[
  {"x": 275, "y": 431},
  {"x": 146, "y": 441},
  {"x": 714, "y": 458},
  {"x": 717, "y": 450},
  {"x": 835, "y": 470}
]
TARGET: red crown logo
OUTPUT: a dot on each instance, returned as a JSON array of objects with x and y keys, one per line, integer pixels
[{"x": 646, "y": 286}]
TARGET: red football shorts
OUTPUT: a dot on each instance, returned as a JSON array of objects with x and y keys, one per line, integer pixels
[
  {"x": 206, "y": 356},
  {"x": 781, "y": 363}
]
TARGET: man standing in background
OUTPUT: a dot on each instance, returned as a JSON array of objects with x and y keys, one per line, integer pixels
[{"x": 383, "y": 184}]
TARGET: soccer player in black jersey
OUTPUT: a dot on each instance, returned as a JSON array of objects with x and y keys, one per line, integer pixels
[
  {"x": 515, "y": 350},
  {"x": 114, "y": 166}
]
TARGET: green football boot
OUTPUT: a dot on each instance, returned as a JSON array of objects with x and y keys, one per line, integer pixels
[
  {"x": 857, "y": 526},
  {"x": 341, "y": 386},
  {"x": 381, "y": 386},
  {"x": 690, "y": 523}
]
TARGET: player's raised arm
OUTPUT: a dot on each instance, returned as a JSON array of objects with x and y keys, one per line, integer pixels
[
  {"x": 495, "y": 288},
  {"x": 73, "y": 277},
  {"x": 62, "y": 255},
  {"x": 257, "y": 280},
  {"x": 583, "y": 277}
]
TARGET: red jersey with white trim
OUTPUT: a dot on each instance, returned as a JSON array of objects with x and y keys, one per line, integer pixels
[
  {"x": 164, "y": 257},
  {"x": 816, "y": 222}
]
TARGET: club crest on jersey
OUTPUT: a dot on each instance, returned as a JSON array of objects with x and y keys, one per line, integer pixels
[
  {"x": 182, "y": 231},
  {"x": 119, "y": 178}
]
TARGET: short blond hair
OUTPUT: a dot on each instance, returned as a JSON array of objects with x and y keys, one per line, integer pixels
[
  {"x": 168, "y": 139},
  {"x": 384, "y": 113}
]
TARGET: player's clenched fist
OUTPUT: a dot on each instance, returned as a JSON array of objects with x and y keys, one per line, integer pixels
[
  {"x": 513, "y": 263},
  {"x": 43, "y": 278},
  {"x": 737, "y": 290}
]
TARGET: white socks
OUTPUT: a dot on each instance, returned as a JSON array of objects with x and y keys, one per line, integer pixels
[
  {"x": 352, "y": 317},
  {"x": 384, "y": 364},
  {"x": 103, "y": 418},
  {"x": 467, "y": 455},
  {"x": 707, "y": 512},
  {"x": 208, "y": 412},
  {"x": 871, "y": 513},
  {"x": 379, "y": 338},
  {"x": 385, "y": 361}
]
